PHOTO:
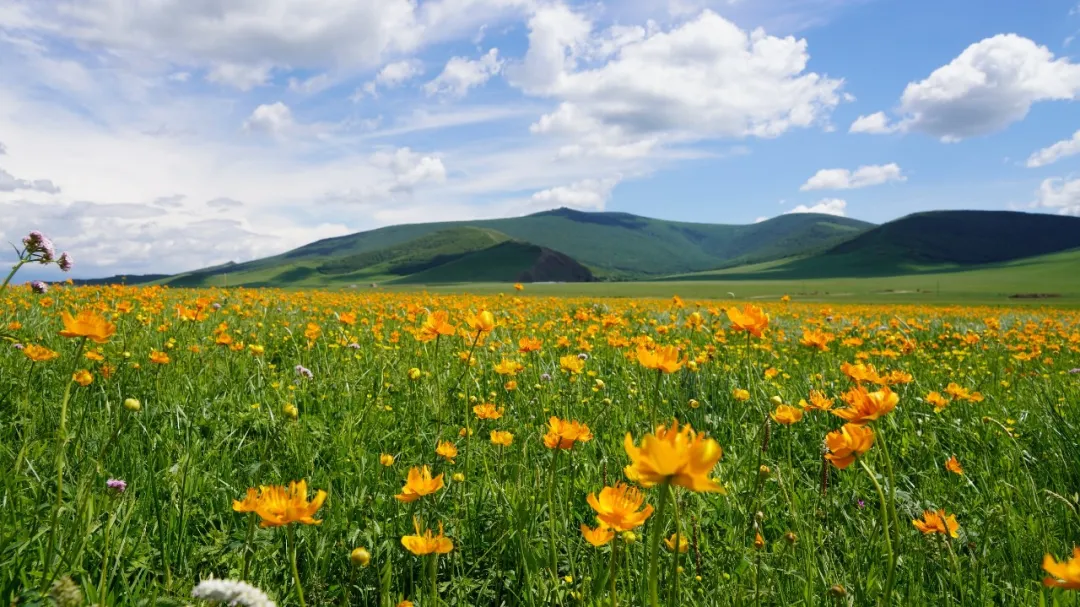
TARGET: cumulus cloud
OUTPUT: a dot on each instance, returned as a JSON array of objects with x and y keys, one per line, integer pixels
[
  {"x": 826, "y": 206},
  {"x": 990, "y": 85},
  {"x": 462, "y": 74},
  {"x": 240, "y": 77},
  {"x": 703, "y": 78},
  {"x": 271, "y": 118},
  {"x": 310, "y": 86},
  {"x": 224, "y": 204},
  {"x": 587, "y": 194},
  {"x": 410, "y": 168},
  {"x": 1053, "y": 153},
  {"x": 1062, "y": 195},
  {"x": 9, "y": 183},
  {"x": 864, "y": 176}
]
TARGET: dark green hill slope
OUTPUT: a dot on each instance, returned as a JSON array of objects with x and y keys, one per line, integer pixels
[{"x": 511, "y": 261}]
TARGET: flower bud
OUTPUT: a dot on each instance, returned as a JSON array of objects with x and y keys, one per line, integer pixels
[
  {"x": 458, "y": 477},
  {"x": 132, "y": 404},
  {"x": 360, "y": 557}
]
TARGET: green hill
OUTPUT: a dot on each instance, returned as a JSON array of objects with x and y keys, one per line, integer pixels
[
  {"x": 510, "y": 261},
  {"x": 934, "y": 242}
]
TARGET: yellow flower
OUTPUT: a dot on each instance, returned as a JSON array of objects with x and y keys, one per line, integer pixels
[
  {"x": 278, "y": 505},
  {"x": 414, "y": 374},
  {"x": 518, "y": 286},
  {"x": 665, "y": 359},
  {"x": 82, "y": 377},
  {"x": 684, "y": 545},
  {"x": 750, "y": 319},
  {"x": 529, "y": 344},
  {"x": 860, "y": 372},
  {"x": 817, "y": 339},
  {"x": 937, "y": 522},
  {"x": 386, "y": 459},
  {"x": 572, "y": 364},
  {"x": 39, "y": 354},
  {"x": 562, "y": 434},
  {"x": 405, "y": 603},
  {"x": 508, "y": 367},
  {"x": 597, "y": 537},
  {"x": 132, "y": 404},
  {"x": 817, "y": 401},
  {"x": 160, "y": 358},
  {"x": 618, "y": 507},
  {"x": 786, "y": 414},
  {"x": 953, "y": 465},
  {"x": 960, "y": 393},
  {"x": 1064, "y": 574},
  {"x": 680, "y": 457},
  {"x": 487, "y": 411},
  {"x": 458, "y": 477},
  {"x": 866, "y": 406},
  {"x": 481, "y": 322},
  {"x": 938, "y": 401},
  {"x": 435, "y": 324},
  {"x": 290, "y": 411},
  {"x": 740, "y": 395},
  {"x": 249, "y": 503},
  {"x": 427, "y": 543},
  {"x": 418, "y": 484},
  {"x": 501, "y": 438},
  {"x": 360, "y": 557},
  {"x": 447, "y": 450},
  {"x": 847, "y": 443},
  {"x": 87, "y": 324}
]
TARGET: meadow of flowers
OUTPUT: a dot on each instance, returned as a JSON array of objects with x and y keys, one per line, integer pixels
[{"x": 258, "y": 447}]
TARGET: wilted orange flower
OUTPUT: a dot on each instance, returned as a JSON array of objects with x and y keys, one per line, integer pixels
[
  {"x": 529, "y": 344},
  {"x": 847, "y": 443},
  {"x": 787, "y": 415},
  {"x": 572, "y": 364},
  {"x": 618, "y": 507},
  {"x": 487, "y": 411},
  {"x": 750, "y": 319},
  {"x": 160, "y": 358},
  {"x": 1064, "y": 574},
  {"x": 953, "y": 465},
  {"x": 427, "y": 543},
  {"x": 597, "y": 537},
  {"x": 82, "y": 377},
  {"x": 501, "y": 438},
  {"x": 670, "y": 455},
  {"x": 937, "y": 522},
  {"x": 278, "y": 505},
  {"x": 481, "y": 322},
  {"x": 418, "y": 484},
  {"x": 664, "y": 359},
  {"x": 39, "y": 354},
  {"x": 447, "y": 450},
  {"x": 562, "y": 434},
  {"x": 87, "y": 324},
  {"x": 938, "y": 401},
  {"x": 866, "y": 406}
]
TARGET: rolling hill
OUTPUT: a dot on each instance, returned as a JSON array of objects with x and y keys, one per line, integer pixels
[{"x": 610, "y": 245}]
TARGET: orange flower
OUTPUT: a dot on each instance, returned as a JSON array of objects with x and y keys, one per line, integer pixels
[
  {"x": 866, "y": 406},
  {"x": 618, "y": 507},
  {"x": 860, "y": 373},
  {"x": 953, "y": 465},
  {"x": 572, "y": 364},
  {"x": 347, "y": 318},
  {"x": 87, "y": 324},
  {"x": 447, "y": 450},
  {"x": 938, "y": 401},
  {"x": 160, "y": 358},
  {"x": 597, "y": 537},
  {"x": 750, "y": 319},
  {"x": 1064, "y": 574},
  {"x": 82, "y": 377},
  {"x": 508, "y": 367},
  {"x": 847, "y": 443},
  {"x": 249, "y": 503},
  {"x": 664, "y": 359},
  {"x": 670, "y": 455},
  {"x": 960, "y": 393},
  {"x": 817, "y": 401},
  {"x": 684, "y": 545},
  {"x": 937, "y": 522},
  {"x": 39, "y": 354},
  {"x": 787, "y": 415},
  {"x": 518, "y": 286},
  {"x": 529, "y": 344},
  {"x": 425, "y": 544},
  {"x": 562, "y": 434},
  {"x": 435, "y": 324},
  {"x": 481, "y": 322},
  {"x": 278, "y": 505},
  {"x": 487, "y": 411},
  {"x": 817, "y": 339},
  {"x": 740, "y": 395},
  {"x": 501, "y": 438},
  {"x": 418, "y": 484}
]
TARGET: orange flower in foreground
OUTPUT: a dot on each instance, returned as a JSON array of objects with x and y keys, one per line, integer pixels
[
  {"x": 487, "y": 411},
  {"x": 418, "y": 484},
  {"x": 953, "y": 465},
  {"x": 447, "y": 450},
  {"x": 278, "y": 505},
  {"x": 562, "y": 434},
  {"x": 664, "y": 359},
  {"x": 750, "y": 319},
  {"x": 82, "y": 377},
  {"x": 435, "y": 324},
  {"x": 937, "y": 522},
  {"x": 860, "y": 373},
  {"x": 670, "y": 455},
  {"x": 597, "y": 537},
  {"x": 1064, "y": 574},
  {"x": 426, "y": 543},
  {"x": 618, "y": 507},
  {"x": 39, "y": 354},
  {"x": 817, "y": 401},
  {"x": 786, "y": 414},
  {"x": 87, "y": 324},
  {"x": 938, "y": 401},
  {"x": 866, "y": 406},
  {"x": 249, "y": 503},
  {"x": 817, "y": 339},
  {"x": 847, "y": 443},
  {"x": 481, "y": 322},
  {"x": 501, "y": 438}
]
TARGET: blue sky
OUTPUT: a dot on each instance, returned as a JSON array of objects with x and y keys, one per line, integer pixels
[{"x": 165, "y": 135}]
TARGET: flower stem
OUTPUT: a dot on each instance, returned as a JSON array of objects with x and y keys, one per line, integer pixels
[
  {"x": 553, "y": 561},
  {"x": 292, "y": 558},
  {"x": 11, "y": 274},
  {"x": 891, "y": 579},
  {"x": 247, "y": 545},
  {"x": 612, "y": 568},
  {"x": 434, "y": 578},
  {"x": 102, "y": 592},
  {"x": 654, "y": 547},
  {"x": 884, "y": 525},
  {"x": 675, "y": 562}
]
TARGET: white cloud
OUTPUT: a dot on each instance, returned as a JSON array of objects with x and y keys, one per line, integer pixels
[
  {"x": 826, "y": 206},
  {"x": 1060, "y": 194},
  {"x": 587, "y": 194},
  {"x": 238, "y": 76},
  {"x": 874, "y": 124},
  {"x": 310, "y": 86},
  {"x": 864, "y": 176},
  {"x": 411, "y": 168},
  {"x": 224, "y": 204},
  {"x": 1053, "y": 153},
  {"x": 704, "y": 78},
  {"x": 8, "y": 183},
  {"x": 3, "y": 148},
  {"x": 392, "y": 75},
  {"x": 461, "y": 74},
  {"x": 272, "y": 118},
  {"x": 990, "y": 85}
]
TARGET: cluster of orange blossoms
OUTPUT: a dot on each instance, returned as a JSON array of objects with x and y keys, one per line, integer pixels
[{"x": 278, "y": 506}]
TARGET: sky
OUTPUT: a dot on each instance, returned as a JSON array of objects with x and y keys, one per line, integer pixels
[{"x": 153, "y": 136}]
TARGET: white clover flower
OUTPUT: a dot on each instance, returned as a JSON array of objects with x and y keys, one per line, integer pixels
[{"x": 232, "y": 593}]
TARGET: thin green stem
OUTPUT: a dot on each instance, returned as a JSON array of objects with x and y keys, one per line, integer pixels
[
  {"x": 11, "y": 274},
  {"x": 247, "y": 545},
  {"x": 654, "y": 547},
  {"x": 292, "y": 559},
  {"x": 434, "y": 578},
  {"x": 552, "y": 560},
  {"x": 612, "y": 570},
  {"x": 673, "y": 596},
  {"x": 884, "y": 524},
  {"x": 891, "y": 579}
]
